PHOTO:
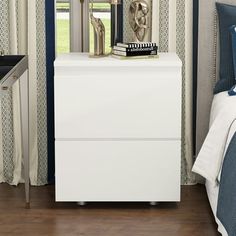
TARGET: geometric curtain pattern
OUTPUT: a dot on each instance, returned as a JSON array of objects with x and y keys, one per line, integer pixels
[
  {"x": 177, "y": 23},
  {"x": 180, "y": 49},
  {"x": 41, "y": 93},
  {"x": 163, "y": 25},
  {"x": 12, "y": 17},
  {"x": 7, "y": 135},
  {"x": 175, "y": 34},
  {"x": 184, "y": 29},
  {"x": 182, "y": 15},
  {"x": 180, "y": 28}
]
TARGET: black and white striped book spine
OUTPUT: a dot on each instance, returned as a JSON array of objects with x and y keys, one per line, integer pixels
[
  {"x": 136, "y": 45},
  {"x": 135, "y": 53},
  {"x": 151, "y": 48}
]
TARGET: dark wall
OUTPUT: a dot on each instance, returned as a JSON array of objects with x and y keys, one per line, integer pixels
[
  {"x": 119, "y": 24},
  {"x": 50, "y": 57},
  {"x": 195, "y": 59}
]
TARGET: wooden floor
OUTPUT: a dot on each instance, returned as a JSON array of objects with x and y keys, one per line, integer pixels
[{"x": 191, "y": 217}]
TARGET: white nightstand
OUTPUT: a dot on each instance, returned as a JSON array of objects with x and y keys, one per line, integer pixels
[{"x": 118, "y": 128}]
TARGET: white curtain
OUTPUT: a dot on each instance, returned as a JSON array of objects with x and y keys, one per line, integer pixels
[
  {"x": 22, "y": 31},
  {"x": 172, "y": 30},
  {"x": 175, "y": 35}
]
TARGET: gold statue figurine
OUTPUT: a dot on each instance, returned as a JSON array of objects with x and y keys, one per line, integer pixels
[
  {"x": 138, "y": 18},
  {"x": 99, "y": 35}
]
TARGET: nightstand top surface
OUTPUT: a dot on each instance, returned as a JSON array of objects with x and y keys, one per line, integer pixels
[{"x": 83, "y": 59}]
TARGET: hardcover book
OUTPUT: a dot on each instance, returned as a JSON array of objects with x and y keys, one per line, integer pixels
[
  {"x": 135, "y": 49},
  {"x": 135, "y": 53},
  {"x": 136, "y": 45}
]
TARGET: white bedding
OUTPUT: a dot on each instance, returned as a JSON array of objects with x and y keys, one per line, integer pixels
[{"x": 210, "y": 158}]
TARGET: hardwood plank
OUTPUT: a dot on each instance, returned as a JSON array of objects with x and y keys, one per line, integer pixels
[{"x": 191, "y": 217}]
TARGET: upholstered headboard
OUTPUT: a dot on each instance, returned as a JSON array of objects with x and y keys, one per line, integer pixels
[{"x": 208, "y": 60}]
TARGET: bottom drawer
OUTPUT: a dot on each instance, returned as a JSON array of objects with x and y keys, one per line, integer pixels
[{"x": 117, "y": 171}]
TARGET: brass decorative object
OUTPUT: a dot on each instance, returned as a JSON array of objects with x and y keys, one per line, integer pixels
[
  {"x": 99, "y": 34},
  {"x": 138, "y": 18}
]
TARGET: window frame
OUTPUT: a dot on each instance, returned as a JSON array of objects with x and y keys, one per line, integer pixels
[{"x": 79, "y": 36}]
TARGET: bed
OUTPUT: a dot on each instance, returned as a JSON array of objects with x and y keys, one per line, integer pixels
[
  {"x": 222, "y": 116},
  {"x": 216, "y": 114},
  {"x": 212, "y": 192}
]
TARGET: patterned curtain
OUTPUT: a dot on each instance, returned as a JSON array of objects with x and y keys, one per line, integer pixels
[
  {"x": 22, "y": 31},
  {"x": 174, "y": 34}
]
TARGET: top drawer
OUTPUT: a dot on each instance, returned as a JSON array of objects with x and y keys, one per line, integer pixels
[{"x": 119, "y": 105}]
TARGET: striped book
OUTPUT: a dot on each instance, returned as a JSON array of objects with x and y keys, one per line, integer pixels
[
  {"x": 134, "y": 53},
  {"x": 136, "y": 45},
  {"x": 135, "y": 49}
]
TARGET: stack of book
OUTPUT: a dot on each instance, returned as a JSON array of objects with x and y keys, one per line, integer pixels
[{"x": 131, "y": 50}]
